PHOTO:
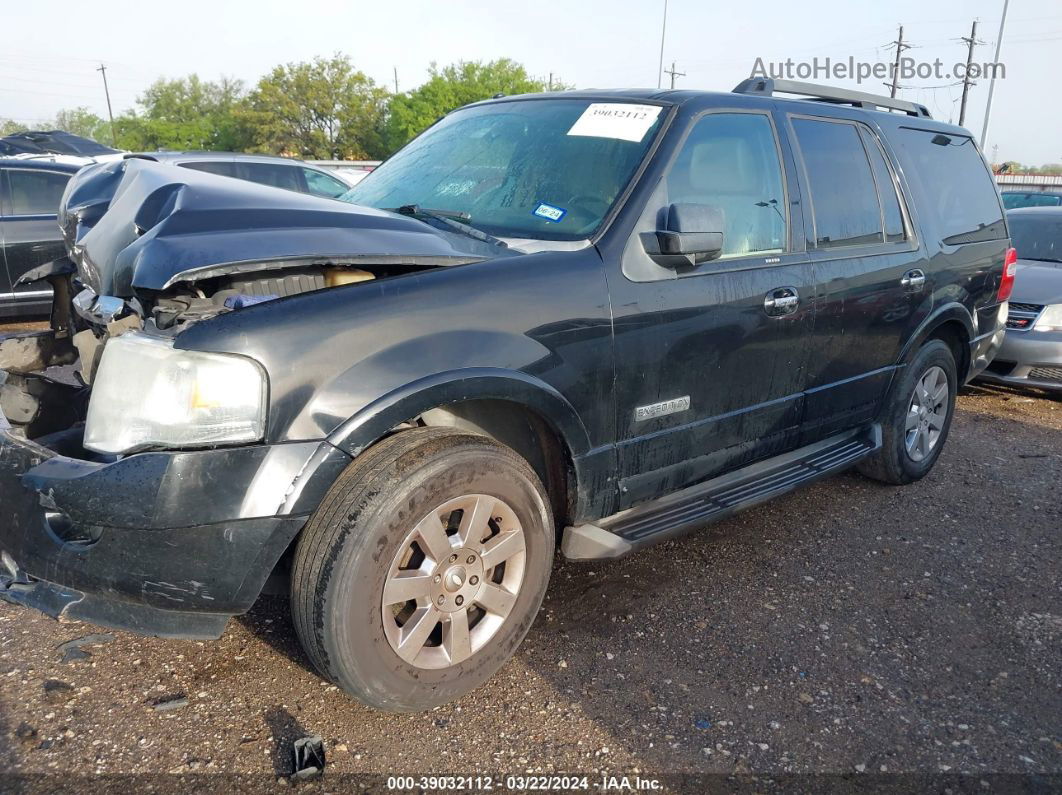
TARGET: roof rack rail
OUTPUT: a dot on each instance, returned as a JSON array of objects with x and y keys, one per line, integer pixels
[{"x": 767, "y": 86}]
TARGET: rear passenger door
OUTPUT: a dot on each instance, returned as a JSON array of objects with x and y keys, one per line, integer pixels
[{"x": 872, "y": 289}]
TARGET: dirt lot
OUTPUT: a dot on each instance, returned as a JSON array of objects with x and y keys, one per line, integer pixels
[{"x": 850, "y": 628}]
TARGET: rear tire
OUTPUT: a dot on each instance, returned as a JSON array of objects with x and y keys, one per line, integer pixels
[
  {"x": 457, "y": 523},
  {"x": 916, "y": 418}
]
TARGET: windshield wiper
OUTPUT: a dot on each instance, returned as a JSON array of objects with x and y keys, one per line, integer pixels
[{"x": 457, "y": 221}]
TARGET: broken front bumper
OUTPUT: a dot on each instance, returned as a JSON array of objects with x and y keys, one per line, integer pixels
[{"x": 164, "y": 543}]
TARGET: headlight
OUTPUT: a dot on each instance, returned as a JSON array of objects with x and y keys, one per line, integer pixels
[
  {"x": 147, "y": 394},
  {"x": 1050, "y": 319}
]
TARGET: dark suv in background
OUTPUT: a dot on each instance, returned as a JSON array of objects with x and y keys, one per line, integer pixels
[
  {"x": 280, "y": 172},
  {"x": 30, "y": 190},
  {"x": 586, "y": 320}
]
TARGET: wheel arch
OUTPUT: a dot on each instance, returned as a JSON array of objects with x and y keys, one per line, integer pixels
[
  {"x": 953, "y": 324},
  {"x": 512, "y": 407}
]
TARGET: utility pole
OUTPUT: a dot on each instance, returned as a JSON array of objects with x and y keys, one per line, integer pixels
[
  {"x": 995, "y": 68},
  {"x": 550, "y": 82},
  {"x": 900, "y": 46},
  {"x": 660, "y": 68},
  {"x": 103, "y": 70},
  {"x": 396, "y": 79},
  {"x": 966, "y": 81},
  {"x": 673, "y": 74}
]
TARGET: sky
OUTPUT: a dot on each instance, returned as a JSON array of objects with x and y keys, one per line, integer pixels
[{"x": 51, "y": 63}]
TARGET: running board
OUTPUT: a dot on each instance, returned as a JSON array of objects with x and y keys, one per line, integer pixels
[{"x": 718, "y": 498}]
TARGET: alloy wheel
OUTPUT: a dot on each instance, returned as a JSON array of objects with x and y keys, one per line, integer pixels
[
  {"x": 926, "y": 414},
  {"x": 453, "y": 581}
]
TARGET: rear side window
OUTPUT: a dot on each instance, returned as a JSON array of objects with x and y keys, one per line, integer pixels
[
  {"x": 213, "y": 167},
  {"x": 959, "y": 191},
  {"x": 32, "y": 192},
  {"x": 276, "y": 174},
  {"x": 844, "y": 198}
]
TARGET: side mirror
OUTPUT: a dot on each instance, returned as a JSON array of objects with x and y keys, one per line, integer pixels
[{"x": 693, "y": 234}]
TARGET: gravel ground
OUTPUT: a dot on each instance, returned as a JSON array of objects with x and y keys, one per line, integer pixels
[{"x": 848, "y": 628}]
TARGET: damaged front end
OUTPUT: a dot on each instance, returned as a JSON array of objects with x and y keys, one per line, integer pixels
[{"x": 137, "y": 484}]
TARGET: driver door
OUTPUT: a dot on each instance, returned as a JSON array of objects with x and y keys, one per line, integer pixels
[{"x": 710, "y": 367}]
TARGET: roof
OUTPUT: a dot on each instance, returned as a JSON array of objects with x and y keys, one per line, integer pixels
[
  {"x": 164, "y": 156},
  {"x": 1033, "y": 192},
  {"x": 708, "y": 99},
  {"x": 56, "y": 141},
  {"x": 45, "y": 163},
  {"x": 1033, "y": 212}
]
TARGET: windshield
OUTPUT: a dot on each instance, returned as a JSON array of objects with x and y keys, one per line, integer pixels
[
  {"x": 545, "y": 168},
  {"x": 1037, "y": 237}
]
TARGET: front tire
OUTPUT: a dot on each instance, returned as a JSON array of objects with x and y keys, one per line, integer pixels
[
  {"x": 917, "y": 417},
  {"x": 423, "y": 568}
]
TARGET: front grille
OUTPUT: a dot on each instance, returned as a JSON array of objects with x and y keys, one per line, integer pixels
[
  {"x": 1046, "y": 374},
  {"x": 1021, "y": 317}
]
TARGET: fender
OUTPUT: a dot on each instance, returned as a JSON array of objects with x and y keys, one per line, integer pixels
[{"x": 472, "y": 383}]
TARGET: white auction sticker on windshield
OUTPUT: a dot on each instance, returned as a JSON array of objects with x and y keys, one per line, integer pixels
[{"x": 615, "y": 120}]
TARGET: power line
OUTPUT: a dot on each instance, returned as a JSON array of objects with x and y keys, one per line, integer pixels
[
  {"x": 663, "y": 32},
  {"x": 992, "y": 80},
  {"x": 103, "y": 70},
  {"x": 971, "y": 42},
  {"x": 673, "y": 74},
  {"x": 900, "y": 46}
]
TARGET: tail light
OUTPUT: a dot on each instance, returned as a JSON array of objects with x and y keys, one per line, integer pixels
[{"x": 1010, "y": 267}]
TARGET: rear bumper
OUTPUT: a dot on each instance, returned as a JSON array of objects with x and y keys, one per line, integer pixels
[
  {"x": 1028, "y": 359},
  {"x": 983, "y": 350},
  {"x": 167, "y": 544}
]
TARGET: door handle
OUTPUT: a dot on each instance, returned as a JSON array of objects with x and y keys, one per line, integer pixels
[
  {"x": 781, "y": 301},
  {"x": 914, "y": 280}
]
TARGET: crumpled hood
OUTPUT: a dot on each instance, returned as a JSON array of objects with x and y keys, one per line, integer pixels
[
  {"x": 139, "y": 224},
  {"x": 1037, "y": 282}
]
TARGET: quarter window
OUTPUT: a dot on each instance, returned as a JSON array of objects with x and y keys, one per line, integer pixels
[
  {"x": 959, "y": 190},
  {"x": 730, "y": 161},
  {"x": 279, "y": 175},
  {"x": 220, "y": 167},
  {"x": 35, "y": 192},
  {"x": 843, "y": 195},
  {"x": 321, "y": 184}
]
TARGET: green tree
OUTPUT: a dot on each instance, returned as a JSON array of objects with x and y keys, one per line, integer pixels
[
  {"x": 185, "y": 113},
  {"x": 81, "y": 121},
  {"x": 451, "y": 87},
  {"x": 10, "y": 126},
  {"x": 323, "y": 109}
]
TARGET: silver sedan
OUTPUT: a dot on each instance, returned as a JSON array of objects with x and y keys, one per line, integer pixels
[{"x": 1031, "y": 355}]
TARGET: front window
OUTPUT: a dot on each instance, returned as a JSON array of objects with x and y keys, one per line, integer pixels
[{"x": 549, "y": 169}]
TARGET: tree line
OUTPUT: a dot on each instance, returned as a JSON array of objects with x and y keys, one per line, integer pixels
[{"x": 324, "y": 109}]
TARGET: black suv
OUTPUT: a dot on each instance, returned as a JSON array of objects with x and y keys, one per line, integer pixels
[
  {"x": 587, "y": 321},
  {"x": 30, "y": 190}
]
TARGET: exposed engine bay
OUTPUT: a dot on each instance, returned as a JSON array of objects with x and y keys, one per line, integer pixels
[{"x": 157, "y": 248}]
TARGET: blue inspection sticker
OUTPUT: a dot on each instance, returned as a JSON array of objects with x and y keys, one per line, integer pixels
[{"x": 549, "y": 212}]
